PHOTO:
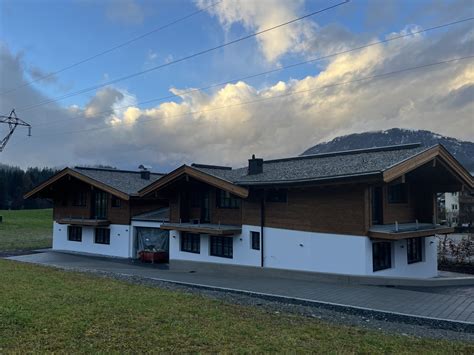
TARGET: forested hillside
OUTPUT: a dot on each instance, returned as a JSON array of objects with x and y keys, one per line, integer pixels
[{"x": 14, "y": 182}]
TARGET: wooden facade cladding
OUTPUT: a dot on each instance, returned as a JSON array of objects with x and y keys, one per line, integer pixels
[
  {"x": 183, "y": 210},
  {"x": 64, "y": 192},
  {"x": 337, "y": 210}
]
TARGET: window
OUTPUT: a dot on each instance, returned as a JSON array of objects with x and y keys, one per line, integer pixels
[
  {"x": 226, "y": 200},
  {"x": 64, "y": 200},
  {"x": 116, "y": 202},
  {"x": 100, "y": 204},
  {"x": 222, "y": 246},
  {"x": 276, "y": 195},
  {"x": 255, "y": 239},
  {"x": 190, "y": 243},
  {"x": 414, "y": 250},
  {"x": 398, "y": 193},
  {"x": 80, "y": 199},
  {"x": 195, "y": 199},
  {"x": 102, "y": 236},
  {"x": 381, "y": 255},
  {"x": 74, "y": 233}
]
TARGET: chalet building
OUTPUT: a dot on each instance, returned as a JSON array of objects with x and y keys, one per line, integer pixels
[
  {"x": 359, "y": 212},
  {"x": 93, "y": 209}
]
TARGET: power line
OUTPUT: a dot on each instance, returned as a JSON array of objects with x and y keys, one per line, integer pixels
[
  {"x": 312, "y": 60},
  {"x": 372, "y": 77},
  {"x": 126, "y": 77},
  {"x": 111, "y": 49}
]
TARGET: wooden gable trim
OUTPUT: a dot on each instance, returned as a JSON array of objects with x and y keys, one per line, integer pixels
[
  {"x": 79, "y": 176},
  {"x": 436, "y": 152},
  {"x": 198, "y": 175}
]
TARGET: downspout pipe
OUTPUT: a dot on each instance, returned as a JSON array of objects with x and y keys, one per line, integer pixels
[{"x": 262, "y": 224}]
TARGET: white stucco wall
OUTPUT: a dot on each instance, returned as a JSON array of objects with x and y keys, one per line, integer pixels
[
  {"x": 308, "y": 251},
  {"x": 243, "y": 254},
  {"x": 119, "y": 241},
  {"x": 321, "y": 252}
]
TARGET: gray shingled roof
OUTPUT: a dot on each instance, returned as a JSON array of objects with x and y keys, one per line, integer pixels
[
  {"x": 129, "y": 182},
  {"x": 321, "y": 166}
]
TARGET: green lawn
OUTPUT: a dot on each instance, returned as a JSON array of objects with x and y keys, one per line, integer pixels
[
  {"x": 26, "y": 229},
  {"x": 47, "y": 310}
]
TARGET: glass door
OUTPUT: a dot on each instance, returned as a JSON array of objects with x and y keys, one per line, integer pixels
[{"x": 99, "y": 204}]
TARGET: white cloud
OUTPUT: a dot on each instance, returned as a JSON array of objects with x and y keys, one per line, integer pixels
[{"x": 263, "y": 14}]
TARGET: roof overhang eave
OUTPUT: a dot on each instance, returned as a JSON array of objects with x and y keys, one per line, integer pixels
[
  {"x": 435, "y": 152},
  {"x": 336, "y": 179},
  {"x": 198, "y": 175}
]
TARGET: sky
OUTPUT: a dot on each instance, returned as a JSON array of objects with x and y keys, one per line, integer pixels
[{"x": 214, "y": 108}]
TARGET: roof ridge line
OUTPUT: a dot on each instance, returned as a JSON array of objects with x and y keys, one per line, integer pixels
[
  {"x": 113, "y": 170},
  {"x": 348, "y": 152}
]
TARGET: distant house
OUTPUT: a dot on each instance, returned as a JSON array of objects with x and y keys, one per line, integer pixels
[
  {"x": 451, "y": 206},
  {"x": 359, "y": 212}
]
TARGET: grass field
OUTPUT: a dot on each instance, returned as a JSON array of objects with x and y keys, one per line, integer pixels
[
  {"x": 49, "y": 310},
  {"x": 26, "y": 229}
]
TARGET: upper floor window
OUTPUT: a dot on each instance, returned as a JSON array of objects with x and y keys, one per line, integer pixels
[
  {"x": 80, "y": 198},
  {"x": 226, "y": 200},
  {"x": 116, "y": 202},
  {"x": 100, "y": 199},
  {"x": 277, "y": 195},
  {"x": 398, "y": 193},
  {"x": 195, "y": 199}
]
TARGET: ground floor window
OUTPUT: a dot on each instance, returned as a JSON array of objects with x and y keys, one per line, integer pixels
[
  {"x": 190, "y": 243},
  {"x": 74, "y": 233},
  {"x": 102, "y": 236},
  {"x": 255, "y": 239},
  {"x": 222, "y": 246},
  {"x": 415, "y": 250},
  {"x": 382, "y": 255}
]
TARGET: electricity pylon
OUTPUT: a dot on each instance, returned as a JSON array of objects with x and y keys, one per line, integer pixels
[{"x": 13, "y": 121}]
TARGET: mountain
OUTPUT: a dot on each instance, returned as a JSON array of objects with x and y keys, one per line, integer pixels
[{"x": 461, "y": 150}]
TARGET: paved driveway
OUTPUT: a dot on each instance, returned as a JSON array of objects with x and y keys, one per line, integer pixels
[{"x": 421, "y": 304}]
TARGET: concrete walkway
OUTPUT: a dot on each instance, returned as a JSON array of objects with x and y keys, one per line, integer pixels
[{"x": 429, "y": 306}]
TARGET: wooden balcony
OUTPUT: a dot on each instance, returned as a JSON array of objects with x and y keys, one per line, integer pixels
[{"x": 84, "y": 222}]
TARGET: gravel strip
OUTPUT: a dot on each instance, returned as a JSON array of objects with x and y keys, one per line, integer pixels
[{"x": 378, "y": 322}]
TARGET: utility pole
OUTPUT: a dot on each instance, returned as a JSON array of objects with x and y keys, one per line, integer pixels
[{"x": 13, "y": 121}]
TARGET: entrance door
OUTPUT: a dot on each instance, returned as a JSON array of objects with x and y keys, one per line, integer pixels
[
  {"x": 99, "y": 204},
  {"x": 205, "y": 207},
  {"x": 377, "y": 205}
]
